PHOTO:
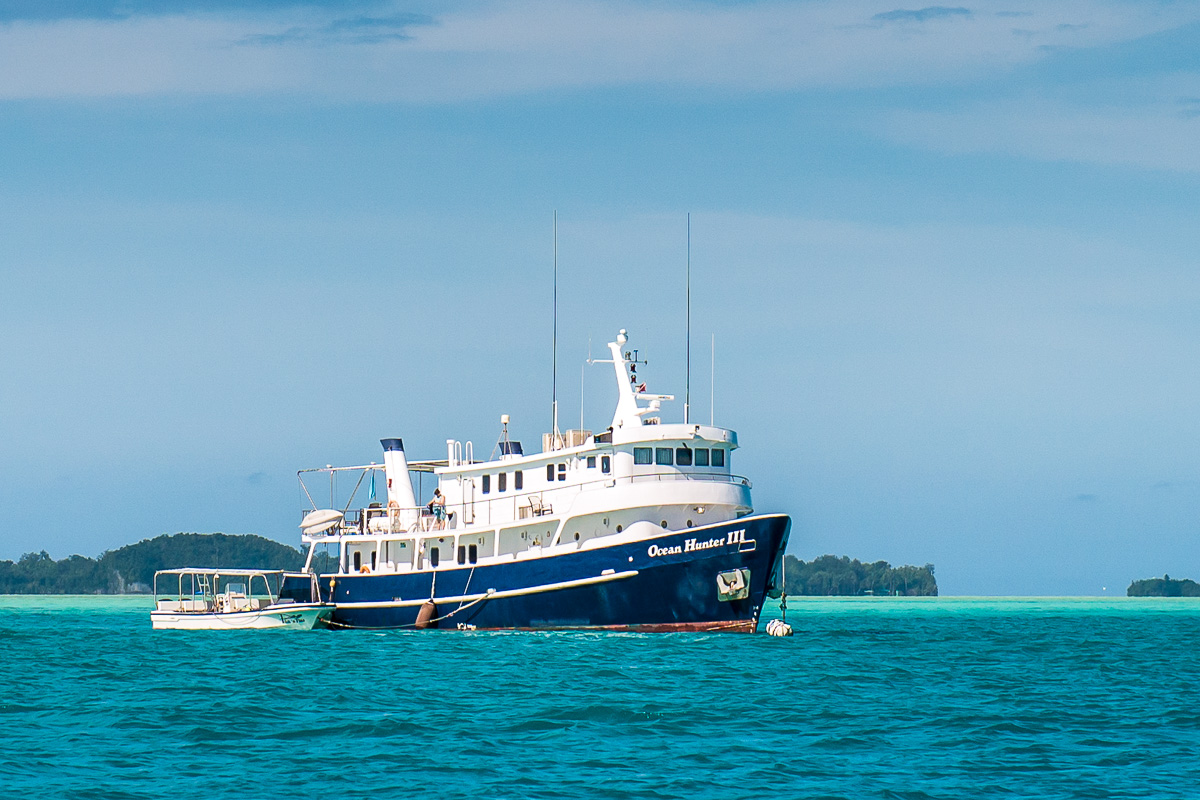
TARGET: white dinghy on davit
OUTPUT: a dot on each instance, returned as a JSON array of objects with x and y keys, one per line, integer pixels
[{"x": 196, "y": 598}]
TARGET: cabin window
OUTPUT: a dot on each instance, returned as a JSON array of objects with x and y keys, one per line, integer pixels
[
  {"x": 605, "y": 464},
  {"x": 562, "y": 472},
  {"x": 372, "y": 559},
  {"x": 683, "y": 457},
  {"x": 487, "y": 483},
  {"x": 718, "y": 457},
  {"x": 357, "y": 561},
  {"x": 662, "y": 456},
  {"x": 591, "y": 462},
  {"x": 518, "y": 480},
  {"x": 462, "y": 554},
  {"x": 501, "y": 481},
  {"x": 434, "y": 557},
  {"x": 701, "y": 457},
  {"x": 550, "y": 472},
  {"x": 641, "y": 455},
  {"x": 473, "y": 552}
]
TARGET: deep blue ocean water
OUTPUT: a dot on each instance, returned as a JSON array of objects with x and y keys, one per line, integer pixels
[{"x": 873, "y": 698}]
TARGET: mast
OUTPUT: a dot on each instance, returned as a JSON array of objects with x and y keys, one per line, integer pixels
[
  {"x": 687, "y": 384},
  {"x": 554, "y": 349}
]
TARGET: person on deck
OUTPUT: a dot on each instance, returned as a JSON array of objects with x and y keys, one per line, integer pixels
[{"x": 437, "y": 507}]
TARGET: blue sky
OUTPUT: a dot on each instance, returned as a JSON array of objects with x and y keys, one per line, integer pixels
[{"x": 948, "y": 254}]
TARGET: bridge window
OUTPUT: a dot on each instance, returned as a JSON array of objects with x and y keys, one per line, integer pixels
[
  {"x": 662, "y": 456},
  {"x": 718, "y": 457},
  {"x": 487, "y": 483},
  {"x": 641, "y": 455},
  {"x": 501, "y": 481},
  {"x": 562, "y": 472},
  {"x": 473, "y": 553},
  {"x": 591, "y": 462},
  {"x": 701, "y": 457},
  {"x": 683, "y": 456},
  {"x": 518, "y": 480},
  {"x": 605, "y": 464}
]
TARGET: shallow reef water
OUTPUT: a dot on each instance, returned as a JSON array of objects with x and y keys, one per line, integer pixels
[{"x": 872, "y": 698}]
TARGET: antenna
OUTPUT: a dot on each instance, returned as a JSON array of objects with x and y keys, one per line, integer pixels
[
  {"x": 712, "y": 381},
  {"x": 687, "y": 386},
  {"x": 554, "y": 349}
]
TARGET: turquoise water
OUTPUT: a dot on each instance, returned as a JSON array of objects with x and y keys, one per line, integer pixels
[{"x": 873, "y": 698}]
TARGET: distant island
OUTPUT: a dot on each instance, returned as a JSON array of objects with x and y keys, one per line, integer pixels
[
  {"x": 130, "y": 570},
  {"x": 1166, "y": 586},
  {"x": 832, "y": 576}
]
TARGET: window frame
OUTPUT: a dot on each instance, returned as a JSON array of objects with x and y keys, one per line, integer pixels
[
  {"x": 501, "y": 482},
  {"x": 486, "y": 484},
  {"x": 664, "y": 456},
  {"x": 697, "y": 458},
  {"x": 686, "y": 453},
  {"x": 518, "y": 480},
  {"x": 715, "y": 458},
  {"x": 643, "y": 456}
]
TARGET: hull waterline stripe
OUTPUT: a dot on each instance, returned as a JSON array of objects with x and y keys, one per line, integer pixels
[{"x": 494, "y": 595}]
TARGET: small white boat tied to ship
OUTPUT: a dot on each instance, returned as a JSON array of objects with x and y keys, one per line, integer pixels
[{"x": 196, "y": 598}]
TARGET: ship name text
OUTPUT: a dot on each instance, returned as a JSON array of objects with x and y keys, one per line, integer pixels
[{"x": 691, "y": 545}]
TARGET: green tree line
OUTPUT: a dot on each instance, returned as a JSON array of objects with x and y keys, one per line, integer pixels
[
  {"x": 131, "y": 568},
  {"x": 1166, "y": 586},
  {"x": 831, "y": 575}
]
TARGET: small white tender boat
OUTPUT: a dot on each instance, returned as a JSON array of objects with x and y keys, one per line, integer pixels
[{"x": 195, "y": 598}]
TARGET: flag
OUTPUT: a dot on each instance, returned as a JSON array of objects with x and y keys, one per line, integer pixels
[{"x": 372, "y": 486}]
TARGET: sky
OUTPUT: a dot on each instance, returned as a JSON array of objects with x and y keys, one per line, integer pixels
[{"x": 943, "y": 259}]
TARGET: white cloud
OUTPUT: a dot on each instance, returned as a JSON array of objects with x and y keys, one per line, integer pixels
[
  {"x": 503, "y": 48},
  {"x": 1159, "y": 131}
]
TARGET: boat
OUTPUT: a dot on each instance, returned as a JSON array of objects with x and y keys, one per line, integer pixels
[
  {"x": 198, "y": 598},
  {"x": 641, "y": 527}
]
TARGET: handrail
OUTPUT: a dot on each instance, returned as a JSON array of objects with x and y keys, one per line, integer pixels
[{"x": 355, "y": 523}]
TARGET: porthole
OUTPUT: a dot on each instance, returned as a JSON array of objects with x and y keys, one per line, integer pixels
[
  {"x": 618, "y": 529},
  {"x": 577, "y": 536},
  {"x": 663, "y": 523},
  {"x": 689, "y": 523}
]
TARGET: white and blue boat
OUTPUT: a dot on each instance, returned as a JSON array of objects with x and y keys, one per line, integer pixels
[{"x": 642, "y": 527}]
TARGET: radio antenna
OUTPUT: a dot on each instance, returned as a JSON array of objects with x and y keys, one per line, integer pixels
[
  {"x": 687, "y": 390},
  {"x": 554, "y": 349}
]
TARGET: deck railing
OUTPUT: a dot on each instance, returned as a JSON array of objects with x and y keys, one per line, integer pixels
[{"x": 527, "y": 505}]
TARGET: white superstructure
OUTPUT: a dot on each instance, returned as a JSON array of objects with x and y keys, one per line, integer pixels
[{"x": 583, "y": 490}]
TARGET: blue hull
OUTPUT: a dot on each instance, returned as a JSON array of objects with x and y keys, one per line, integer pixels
[{"x": 668, "y": 583}]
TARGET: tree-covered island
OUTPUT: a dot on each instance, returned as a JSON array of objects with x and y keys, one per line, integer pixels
[
  {"x": 130, "y": 569},
  {"x": 833, "y": 576},
  {"x": 1166, "y": 586}
]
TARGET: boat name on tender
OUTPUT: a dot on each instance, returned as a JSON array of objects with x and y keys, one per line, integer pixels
[{"x": 691, "y": 545}]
